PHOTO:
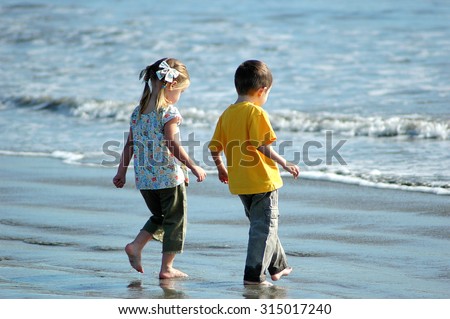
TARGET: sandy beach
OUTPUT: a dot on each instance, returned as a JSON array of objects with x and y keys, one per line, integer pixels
[{"x": 63, "y": 228}]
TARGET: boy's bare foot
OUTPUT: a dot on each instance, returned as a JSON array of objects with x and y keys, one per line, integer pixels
[
  {"x": 282, "y": 273},
  {"x": 134, "y": 258},
  {"x": 171, "y": 273},
  {"x": 255, "y": 283}
]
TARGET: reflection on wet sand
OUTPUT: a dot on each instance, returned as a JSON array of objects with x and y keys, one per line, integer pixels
[
  {"x": 174, "y": 289},
  {"x": 261, "y": 292},
  {"x": 170, "y": 290}
]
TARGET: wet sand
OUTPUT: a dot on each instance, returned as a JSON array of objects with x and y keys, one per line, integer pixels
[{"x": 63, "y": 229}]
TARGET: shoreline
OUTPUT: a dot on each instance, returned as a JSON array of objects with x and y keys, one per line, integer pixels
[
  {"x": 63, "y": 229},
  {"x": 75, "y": 159}
]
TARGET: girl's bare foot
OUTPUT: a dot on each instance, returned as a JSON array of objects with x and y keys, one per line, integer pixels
[
  {"x": 282, "y": 273},
  {"x": 134, "y": 257},
  {"x": 255, "y": 283},
  {"x": 171, "y": 273}
]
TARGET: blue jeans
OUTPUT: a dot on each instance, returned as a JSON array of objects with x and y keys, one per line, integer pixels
[{"x": 264, "y": 251}]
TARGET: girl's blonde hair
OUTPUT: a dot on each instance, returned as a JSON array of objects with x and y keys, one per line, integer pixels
[{"x": 149, "y": 74}]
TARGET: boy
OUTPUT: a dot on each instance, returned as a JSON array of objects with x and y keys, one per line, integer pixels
[{"x": 244, "y": 134}]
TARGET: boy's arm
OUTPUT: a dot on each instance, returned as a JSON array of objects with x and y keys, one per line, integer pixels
[
  {"x": 171, "y": 135},
  {"x": 268, "y": 151},
  {"x": 223, "y": 172},
  {"x": 120, "y": 179}
]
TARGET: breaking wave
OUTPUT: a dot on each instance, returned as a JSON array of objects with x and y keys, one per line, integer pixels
[{"x": 409, "y": 125}]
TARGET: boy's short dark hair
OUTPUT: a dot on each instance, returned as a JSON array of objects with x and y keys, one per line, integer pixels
[{"x": 252, "y": 75}]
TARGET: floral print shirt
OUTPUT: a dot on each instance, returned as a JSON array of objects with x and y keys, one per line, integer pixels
[{"x": 155, "y": 167}]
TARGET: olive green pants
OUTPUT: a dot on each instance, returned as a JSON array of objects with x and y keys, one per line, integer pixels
[{"x": 169, "y": 213}]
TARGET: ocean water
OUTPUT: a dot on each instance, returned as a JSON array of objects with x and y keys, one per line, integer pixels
[{"x": 361, "y": 92}]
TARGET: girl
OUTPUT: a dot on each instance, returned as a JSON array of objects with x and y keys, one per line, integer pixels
[{"x": 160, "y": 177}]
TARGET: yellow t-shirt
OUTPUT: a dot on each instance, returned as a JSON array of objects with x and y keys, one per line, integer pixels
[{"x": 241, "y": 129}]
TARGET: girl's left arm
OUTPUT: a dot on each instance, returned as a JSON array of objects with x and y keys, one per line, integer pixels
[
  {"x": 120, "y": 179},
  {"x": 172, "y": 138}
]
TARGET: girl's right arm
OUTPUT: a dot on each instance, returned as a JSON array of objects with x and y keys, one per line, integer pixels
[
  {"x": 120, "y": 179},
  {"x": 171, "y": 136}
]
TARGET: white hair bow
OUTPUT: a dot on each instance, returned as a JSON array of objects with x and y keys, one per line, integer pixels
[{"x": 167, "y": 72}]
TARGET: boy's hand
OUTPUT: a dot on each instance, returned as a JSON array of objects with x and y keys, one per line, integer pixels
[
  {"x": 199, "y": 173},
  {"x": 292, "y": 168},
  {"x": 223, "y": 174},
  {"x": 119, "y": 180}
]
